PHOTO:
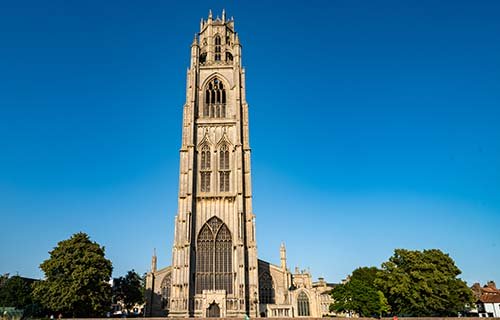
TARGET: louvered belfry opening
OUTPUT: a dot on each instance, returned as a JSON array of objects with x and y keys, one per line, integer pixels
[
  {"x": 214, "y": 257},
  {"x": 215, "y": 100}
]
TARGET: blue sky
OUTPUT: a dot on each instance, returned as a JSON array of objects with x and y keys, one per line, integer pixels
[{"x": 373, "y": 125}]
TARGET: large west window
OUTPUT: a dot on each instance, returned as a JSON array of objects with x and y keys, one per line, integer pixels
[{"x": 214, "y": 257}]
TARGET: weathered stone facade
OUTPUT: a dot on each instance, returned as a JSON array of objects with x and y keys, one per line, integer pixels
[{"x": 215, "y": 271}]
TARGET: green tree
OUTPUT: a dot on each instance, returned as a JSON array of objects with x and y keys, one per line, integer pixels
[
  {"x": 359, "y": 294},
  {"x": 129, "y": 289},
  {"x": 4, "y": 277},
  {"x": 423, "y": 283},
  {"x": 15, "y": 292},
  {"x": 77, "y": 278}
]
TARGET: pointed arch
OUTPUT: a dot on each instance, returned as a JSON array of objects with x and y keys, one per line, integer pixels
[
  {"x": 166, "y": 285},
  {"x": 216, "y": 75},
  {"x": 224, "y": 157},
  {"x": 218, "y": 47},
  {"x": 213, "y": 310},
  {"x": 204, "y": 259},
  {"x": 214, "y": 263},
  {"x": 223, "y": 259},
  {"x": 205, "y": 140},
  {"x": 224, "y": 168},
  {"x": 205, "y": 165},
  {"x": 205, "y": 157},
  {"x": 266, "y": 288},
  {"x": 215, "y": 98},
  {"x": 214, "y": 223},
  {"x": 303, "y": 305},
  {"x": 224, "y": 140}
]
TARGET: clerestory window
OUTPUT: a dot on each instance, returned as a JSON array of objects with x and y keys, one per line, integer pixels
[
  {"x": 215, "y": 100},
  {"x": 224, "y": 170}
]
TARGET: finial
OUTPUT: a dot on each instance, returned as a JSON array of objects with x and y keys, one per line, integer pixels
[
  {"x": 195, "y": 40},
  {"x": 210, "y": 14},
  {"x": 223, "y": 15}
]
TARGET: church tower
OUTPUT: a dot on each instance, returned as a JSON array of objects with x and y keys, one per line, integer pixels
[{"x": 214, "y": 259}]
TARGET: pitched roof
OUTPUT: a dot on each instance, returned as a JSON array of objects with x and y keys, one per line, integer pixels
[{"x": 490, "y": 298}]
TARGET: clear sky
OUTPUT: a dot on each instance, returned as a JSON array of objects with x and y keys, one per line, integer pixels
[{"x": 374, "y": 125}]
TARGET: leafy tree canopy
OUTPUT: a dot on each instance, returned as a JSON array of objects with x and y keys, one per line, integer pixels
[
  {"x": 77, "y": 278},
  {"x": 423, "y": 283},
  {"x": 128, "y": 289},
  {"x": 15, "y": 292},
  {"x": 359, "y": 294}
]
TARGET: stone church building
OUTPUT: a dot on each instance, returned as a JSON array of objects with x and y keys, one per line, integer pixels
[{"x": 215, "y": 270}]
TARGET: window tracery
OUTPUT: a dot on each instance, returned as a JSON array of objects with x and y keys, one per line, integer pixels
[
  {"x": 303, "y": 305},
  {"x": 224, "y": 166},
  {"x": 205, "y": 169},
  {"x": 165, "y": 291},
  {"x": 215, "y": 100},
  {"x": 266, "y": 288},
  {"x": 214, "y": 257}
]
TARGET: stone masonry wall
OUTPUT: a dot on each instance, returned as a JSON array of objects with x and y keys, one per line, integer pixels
[{"x": 306, "y": 318}]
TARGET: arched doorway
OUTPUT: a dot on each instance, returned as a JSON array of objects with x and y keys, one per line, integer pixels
[{"x": 213, "y": 310}]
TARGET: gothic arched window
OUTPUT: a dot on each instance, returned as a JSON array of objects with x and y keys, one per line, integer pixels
[
  {"x": 224, "y": 166},
  {"x": 266, "y": 288},
  {"x": 229, "y": 57},
  {"x": 215, "y": 100},
  {"x": 165, "y": 291},
  {"x": 223, "y": 260},
  {"x": 217, "y": 48},
  {"x": 214, "y": 257},
  {"x": 204, "y": 259},
  {"x": 205, "y": 169},
  {"x": 303, "y": 305}
]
